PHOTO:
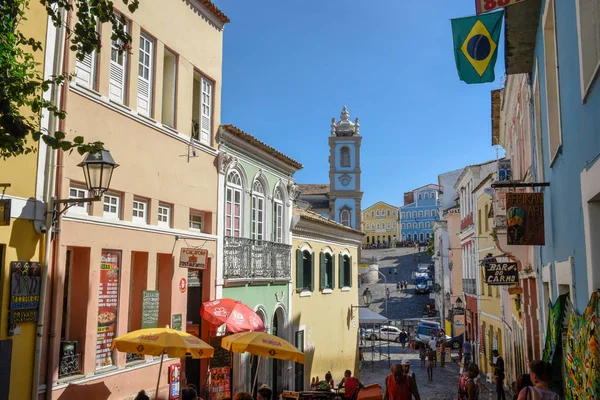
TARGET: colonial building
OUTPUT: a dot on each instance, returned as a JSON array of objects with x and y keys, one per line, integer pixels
[
  {"x": 23, "y": 236},
  {"x": 417, "y": 218},
  {"x": 256, "y": 192},
  {"x": 380, "y": 224},
  {"x": 341, "y": 199},
  {"x": 325, "y": 282},
  {"x": 156, "y": 109}
]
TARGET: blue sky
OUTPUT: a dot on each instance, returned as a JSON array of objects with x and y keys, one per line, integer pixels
[{"x": 289, "y": 66}]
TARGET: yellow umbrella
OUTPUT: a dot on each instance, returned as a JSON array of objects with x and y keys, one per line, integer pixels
[
  {"x": 158, "y": 341},
  {"x": 262, "y": 344}
]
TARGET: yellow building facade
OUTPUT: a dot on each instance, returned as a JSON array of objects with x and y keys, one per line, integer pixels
[
  {"x": 325, "y": 289},
  {"x": 380, "y": 224},
  {"x": 490, "y": 307},
  {"x": 21, "y": 195}
]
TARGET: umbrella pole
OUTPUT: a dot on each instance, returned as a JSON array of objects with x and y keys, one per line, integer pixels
[
  {"x": 256, "y": 376},
  {"x": 159, "y": 372}
]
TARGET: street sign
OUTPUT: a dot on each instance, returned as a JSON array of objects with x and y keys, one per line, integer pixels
[{"x": 501, "y": 273}]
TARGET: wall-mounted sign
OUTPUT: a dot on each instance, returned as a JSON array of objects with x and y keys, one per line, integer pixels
[
  {"x": 5, "y": 212},
  {"x": 108, "y": 306},
  {"x": 504, "y": 170},
  {"x": 193, "y": 258},
  {"x": 483, "y": 6},
  {"x": 501, "y": 273},
  {"x": 176, "y": 322},
  {"x": 25, "y": 282},
  {"x": 150, "y": 305},
  {"x": 525, "y": 219},
  {"x": 182, "y": 285},
  {"x": 174, "y": 381}
]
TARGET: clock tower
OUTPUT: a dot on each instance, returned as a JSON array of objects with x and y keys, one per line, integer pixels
[{"x": 344, "y": 171}]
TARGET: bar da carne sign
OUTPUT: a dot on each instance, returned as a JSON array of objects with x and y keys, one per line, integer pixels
[{"x": 501, "y": 273}]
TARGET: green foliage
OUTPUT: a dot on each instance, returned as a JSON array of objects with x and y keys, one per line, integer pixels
[
  {"x": 21, "y": 79},
  {"x": 431, "y": 245}
]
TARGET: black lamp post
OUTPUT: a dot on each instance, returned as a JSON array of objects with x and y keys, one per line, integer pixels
[
  {"x": 367, "y": 297},
  {"x": 97, "y": 170},
  {"x": 458, "y": 304}
]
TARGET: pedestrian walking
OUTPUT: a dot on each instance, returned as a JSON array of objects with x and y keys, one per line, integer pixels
[
  {"x": 430, "y": 364},
  {"x": 403, "y": 336},
  {"x": 521, "y": 383},
  {"x": 399, "y": 386},
  {"x": 443, "y": 353},
  {"x": 467, "y": 347},
  {"x": 467, "y": 388},
  {"x": 406, "y": 371},
  {"x": 541, "y": 374},
  {"x": 433, "y": 347},
  {"x": 422, "y": 354},
  {"x": 498, "y": 364}
]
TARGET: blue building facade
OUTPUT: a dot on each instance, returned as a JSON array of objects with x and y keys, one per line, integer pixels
[
  {"x": 567, "y": 147},
  {"x": 417, "y": 217}
]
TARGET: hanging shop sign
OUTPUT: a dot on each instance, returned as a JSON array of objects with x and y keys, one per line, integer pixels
[
  {"x": 483, "y": 6},
  {"x": 5, "y": 212},
  {"x": 25, "y": 282},
  {"x": 193, "y": 258},
  {"x": 501, "y": 273},
  {"x": 525, "y": 219},
  {"x": 515, "y": 290},
  {"x": 108, "y": 305}
]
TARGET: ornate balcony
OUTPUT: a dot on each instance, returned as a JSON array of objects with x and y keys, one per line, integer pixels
[
  {"x": 256, "y": 260},
  {"x": 466, "y": 222}
]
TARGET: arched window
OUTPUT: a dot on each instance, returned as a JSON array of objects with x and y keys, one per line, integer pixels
[
  {"x": 372, "y": 239},
  {"x": 378, "y": 225},
  {"x": 345, "y": 217},
  {"x": 434, "y": 213},
  {"x": 367, "y": 240},
  {"x": 427, "y": 213},
  {"x": 393, "y": 225},
  {"x": 378, "y": 213},
  {"x": 403, "y": 214},
  {"x": 403, "y": 238},
  {"x": 427, "y": 236},
  {"x": 389, "y": 225},
  {"x": 372, "y": 227},
  {"x": 408, "y": 237},
  {"x": 345, "y": 157},
  {"x": 389, "y": 212},
  {"x": 420, "y": 196},
  {"x": 389, "y": 238},
  {"x": 420, "y": 214},
  {"x": 403, "y": 226},
  {"x": 278, "y": 217},
  {"x": 346, "y": 278},
  {"x": 422, "y": 237},
  {"x": 426, "y": 195},
  {"x": 372, "y": 214},
  {"x": 233, "y": 204},
  {"x": 258, "y": 211},
  {"x": 427, "y": 225},
  {"x": 414, "y": 214},
  {"x": 415, "y": 225}
]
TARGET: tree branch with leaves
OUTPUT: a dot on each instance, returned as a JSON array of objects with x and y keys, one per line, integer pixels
[{"x": 21, "y": 79}]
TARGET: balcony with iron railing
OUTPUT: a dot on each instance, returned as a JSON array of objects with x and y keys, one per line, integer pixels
[
  {"x": 256, "y": 260},
  {"x": 466, "y": 222},
  {"x": 469, "y": 286}
]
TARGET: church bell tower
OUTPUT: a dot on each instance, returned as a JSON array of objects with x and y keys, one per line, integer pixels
[{"x": 344, "y": 171}]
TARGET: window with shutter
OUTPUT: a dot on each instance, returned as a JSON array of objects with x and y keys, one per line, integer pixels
[
  {"x": 299, "y": 269},
  {"x": 205, "y": 112},
  {"x": 322, "y": 283},
  {"x": 85, "y": 70},
  {"x": 116, "y": 81},
  {"x": 145, "y": 71}
]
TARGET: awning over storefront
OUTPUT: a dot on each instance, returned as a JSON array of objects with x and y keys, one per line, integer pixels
[{"x": 366, "y": 316}]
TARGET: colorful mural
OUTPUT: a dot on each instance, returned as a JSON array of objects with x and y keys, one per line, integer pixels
[
  {"x": 582, "y": 361},
  {"x": 553, "y": 351}
]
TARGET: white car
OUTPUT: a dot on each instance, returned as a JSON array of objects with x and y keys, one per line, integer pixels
[{"x": 390, "y": 333}]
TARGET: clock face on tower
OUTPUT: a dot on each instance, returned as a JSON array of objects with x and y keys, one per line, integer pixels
[{"x": 345, "y": 179}]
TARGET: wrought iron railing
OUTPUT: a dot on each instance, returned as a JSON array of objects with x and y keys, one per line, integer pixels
[
  {"x": 69, "y": 365},
  {"x": 248, "y": 259},
  {"x": 469, "y": 286}
]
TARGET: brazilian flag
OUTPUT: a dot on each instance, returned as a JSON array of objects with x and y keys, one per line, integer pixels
[{"x": 476, "y": 46}]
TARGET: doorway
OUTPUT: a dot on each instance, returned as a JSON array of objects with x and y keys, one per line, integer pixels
[{"x": 193, "y": 324}]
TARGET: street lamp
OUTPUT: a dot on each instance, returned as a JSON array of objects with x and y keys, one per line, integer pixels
[
  {"x": 97, "y": 169},
  {"x": 458, "y": 304},
  {"x": 367, "y": 297}
]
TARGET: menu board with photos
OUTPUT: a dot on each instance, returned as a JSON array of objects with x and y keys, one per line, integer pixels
[
  {"x": 108, "y": 305},
  {"x": 220, "y": 383}
]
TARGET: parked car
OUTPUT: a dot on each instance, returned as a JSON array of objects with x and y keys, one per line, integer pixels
[
  {"x": 455, "y": 342},
  {"x": 390, "y": 333}
]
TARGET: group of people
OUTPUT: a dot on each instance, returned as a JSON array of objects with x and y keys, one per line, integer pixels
[
  {"x": 349, "y": 383},
  {"x": 189, "y": 393},
  {"x": 401, "y": 285},
  {"x": 532, "y": 386}
]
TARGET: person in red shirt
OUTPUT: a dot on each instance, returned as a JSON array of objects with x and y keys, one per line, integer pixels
[
  {"x": 399, "y": 386},
  {"x": 351, "y": 384}
]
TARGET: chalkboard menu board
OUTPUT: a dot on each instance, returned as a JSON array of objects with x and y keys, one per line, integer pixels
[
  {"x": 221, "y": 357},
  {"x": 176, "y": 322},
  {"x": 150, "y": 309}
]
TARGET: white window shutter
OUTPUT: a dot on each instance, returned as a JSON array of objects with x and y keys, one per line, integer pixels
[
  {"x": 84, "y": 70},
  {"x": 145, "y": 76},
  {"x": 206, "y": 108},
  {"x": 116, "y": 81}
]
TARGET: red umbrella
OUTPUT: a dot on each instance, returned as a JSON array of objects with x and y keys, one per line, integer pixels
[{"x": 237, "y": 316}]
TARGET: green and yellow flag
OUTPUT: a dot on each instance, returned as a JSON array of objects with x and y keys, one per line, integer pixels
[{"x": 476, "y": 46}]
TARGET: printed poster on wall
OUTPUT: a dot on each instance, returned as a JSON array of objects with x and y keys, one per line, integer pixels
[
  {"x": 525, "y": 219},
  {"x": 108, "y": 305},
  {"x": 25, "y": 279},
  {"x": 220, "y": 383}
]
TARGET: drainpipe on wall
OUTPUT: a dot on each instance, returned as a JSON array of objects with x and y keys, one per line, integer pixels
[{"x": 49, "y": 182}]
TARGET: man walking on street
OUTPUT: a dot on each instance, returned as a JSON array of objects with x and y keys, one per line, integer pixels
[
  {"x": 399, "y": 386},
  {"x": 433, "y": 348},
  {"x": 498, "y": 364},
  {"x": 403, "y": 336},
  {"x": 467, "y": 352}
]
